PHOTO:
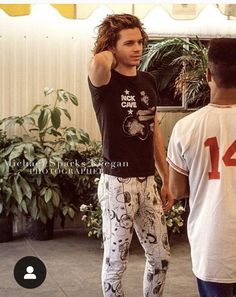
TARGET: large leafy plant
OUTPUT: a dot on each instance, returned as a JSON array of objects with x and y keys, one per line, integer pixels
[
  {"x": 91, "y": 159},
  {"x": 179, "y": 67},
  {"x": 7, "y": 205},
  {"x": 79, "y": 186},
  {"x": 31, "y": 164}
]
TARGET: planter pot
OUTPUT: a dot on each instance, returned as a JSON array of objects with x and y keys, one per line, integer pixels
[
  {"x": 37, "y": 230},
  {"x": 6, "y": 230}
]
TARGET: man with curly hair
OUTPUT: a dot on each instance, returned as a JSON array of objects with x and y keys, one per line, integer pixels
[{"x": 125, "y": 100}]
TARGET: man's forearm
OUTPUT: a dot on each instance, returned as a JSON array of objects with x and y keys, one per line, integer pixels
[
  {"x": 100, "y": 68},
  {"x": 160, "y": 161},
  {"x": 179, "y": 184},
  {"x": 160, "y": 155}
]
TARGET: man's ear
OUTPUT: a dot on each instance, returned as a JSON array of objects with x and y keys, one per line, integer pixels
[
  {"x": 208, "y": 75},
  {"x": 112, "y": 49}
]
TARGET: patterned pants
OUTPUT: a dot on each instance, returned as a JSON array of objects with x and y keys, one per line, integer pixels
[{"x": 128, "y": 204}]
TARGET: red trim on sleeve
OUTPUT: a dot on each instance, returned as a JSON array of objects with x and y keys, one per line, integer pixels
[{"x": 177, "y": 168}]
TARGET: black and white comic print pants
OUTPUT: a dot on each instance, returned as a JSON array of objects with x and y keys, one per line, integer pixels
[{"x": 128, "y": 204}]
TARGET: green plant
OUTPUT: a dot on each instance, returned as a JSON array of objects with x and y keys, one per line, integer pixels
[
  {"x": 79, "y": 186},
  {"x": 93, "y": 219},
  {"x": 32, "y": 163},
  {"x": 7, "y": 206},
  {"x": 192, "y": 78},
  {"x": 174, "y": 219},
  {"x": 91, "y": 160},
  {"x": 179, "y": 67}
]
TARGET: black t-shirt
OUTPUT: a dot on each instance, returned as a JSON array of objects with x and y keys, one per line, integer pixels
[{"x": 125, "y": 110}]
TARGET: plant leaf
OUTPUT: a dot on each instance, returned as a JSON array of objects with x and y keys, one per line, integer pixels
[
  {"x": 47, "y": 91},
  {"x": 55, "y": 198},
  {"x": 4, "y": 168},
  {"x": 16, "y": 152},
  {"x": 25, "y": 187},
  {"x": 48, "y": 195},
  {"x": 84, "y": 137},
  {"x": 6, "y": 151},
  {"x": 29, "y": 152},
  {"x": 56, "y": 117},
  {"x": 71, "y": 212},
  {"x": 17, "y": 193},
  {"x": 33, "y": 209},
  {"x": 67, "y": 114},
  {"x": 20, "y": 121},
  {"x": 65, "y": 210},
  {"x": 43, "y": 119},
  {"x": 73, "y": 98},
  {"x": 29, "y": 120},
  {"x": 34, "y": 108},
  {"x": 54, "y": 132},
  {"x": 61, "y": 95},
  {"x": 43, "y": 191},
  {"x": 24, "y": 207},
  {"x": 41, "y": 164},
  {"x": 1, "y": 207}
]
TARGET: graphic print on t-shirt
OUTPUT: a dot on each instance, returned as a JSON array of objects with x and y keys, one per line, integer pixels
[{"x": 138, "y": 123}]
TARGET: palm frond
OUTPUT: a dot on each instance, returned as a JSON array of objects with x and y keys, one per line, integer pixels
[{"x": 180, "y": 65}]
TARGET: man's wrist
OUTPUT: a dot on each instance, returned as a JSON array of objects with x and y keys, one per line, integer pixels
[
  {"x": 165, "y": 180},
  {"x": 110, "y": 58}
]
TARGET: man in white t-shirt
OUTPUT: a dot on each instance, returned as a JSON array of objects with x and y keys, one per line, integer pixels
[{"x": 202, "y": 159}]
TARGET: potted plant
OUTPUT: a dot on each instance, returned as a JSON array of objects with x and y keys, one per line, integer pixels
[
  {"x": 8, "y": 206},
  {"x": 91, "y": 159},
  {"x": 6, "y": 216},
  {"x": 35, "y": 160},
  {"x": 80, "y": 184},
  {"x": 179, "y": 67},
  {"x": 92, "y": 218}
]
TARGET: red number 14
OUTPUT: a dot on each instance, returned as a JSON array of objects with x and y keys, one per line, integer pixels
[{"x": 214, "y": 155}]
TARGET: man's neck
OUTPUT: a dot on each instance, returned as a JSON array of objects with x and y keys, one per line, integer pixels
[
  {"x": 128, "y": 71},
  {"x": 223, "y": 96}
]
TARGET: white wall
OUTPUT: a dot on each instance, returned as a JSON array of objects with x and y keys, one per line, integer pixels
[{"x": 45, "y": 49}]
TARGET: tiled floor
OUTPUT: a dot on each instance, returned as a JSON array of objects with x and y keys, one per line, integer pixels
[{"x": 73, "y": 264}]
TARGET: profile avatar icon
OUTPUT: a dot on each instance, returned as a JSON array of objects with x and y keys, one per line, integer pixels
[{"x": 30, "y": 274}]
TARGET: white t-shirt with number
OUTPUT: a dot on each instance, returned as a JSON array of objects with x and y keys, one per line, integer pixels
[{"x": 203, "y": 147}]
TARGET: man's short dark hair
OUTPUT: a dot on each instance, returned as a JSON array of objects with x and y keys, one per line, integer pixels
[{"x": 222, "y": 61}]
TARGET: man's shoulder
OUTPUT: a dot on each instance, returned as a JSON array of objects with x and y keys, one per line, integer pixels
[
  {"x": 147, "y": 78},
  {"x": 194, "y": 116},
  {"x": 146, "y": 74},
  {"x": 191, "y": 122}
]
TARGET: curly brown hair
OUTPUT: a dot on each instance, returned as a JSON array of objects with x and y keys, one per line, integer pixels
[{"x": 108, "y": 30}]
